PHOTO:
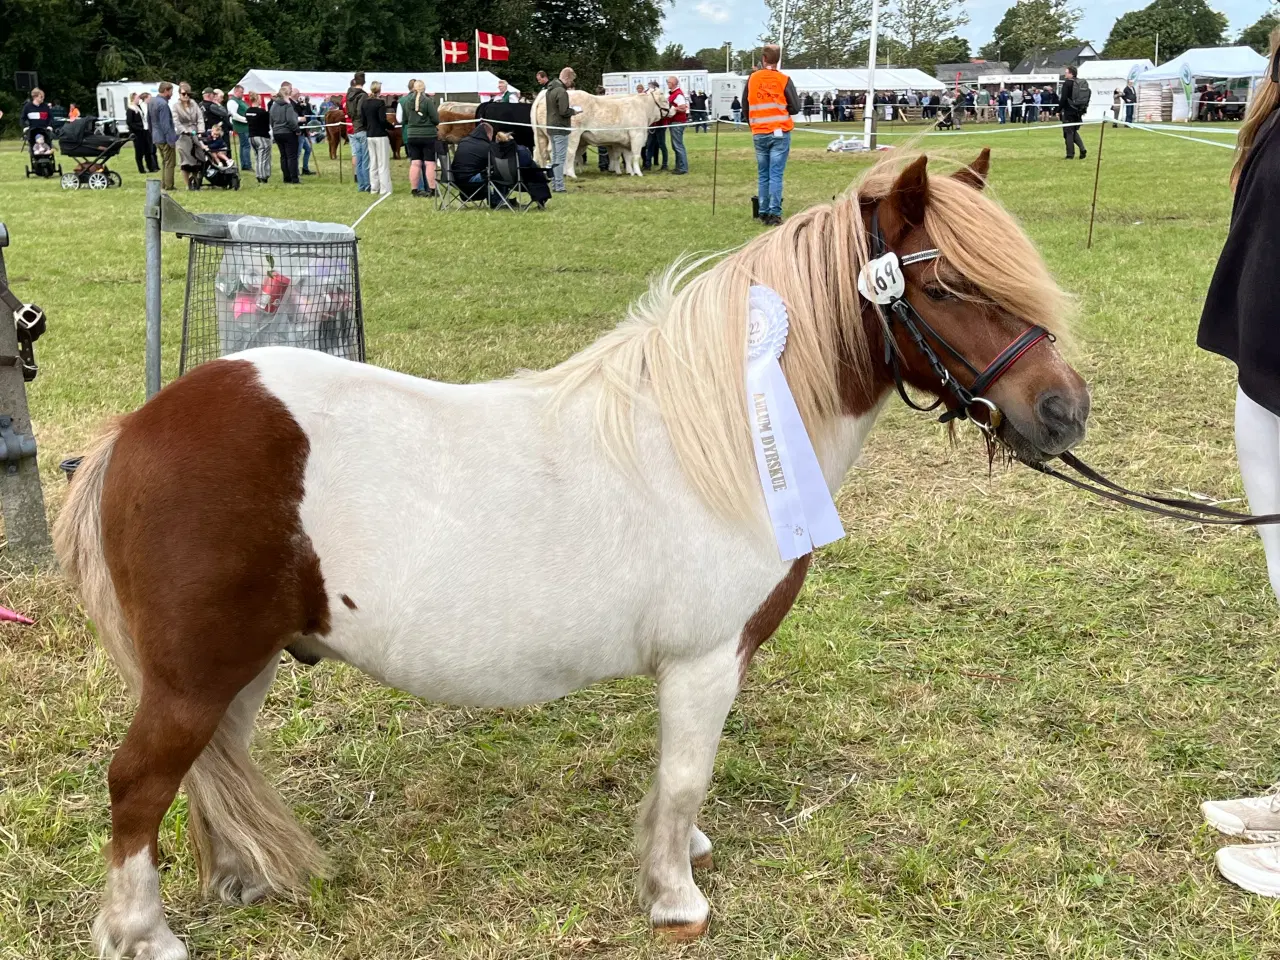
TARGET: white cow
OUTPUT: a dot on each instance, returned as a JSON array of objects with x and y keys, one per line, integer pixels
[{"x": 619, "y": 123}]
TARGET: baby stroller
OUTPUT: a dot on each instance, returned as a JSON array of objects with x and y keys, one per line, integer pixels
[
  {"x": 945, "y": 119},
  {"x": 42, "y": 164},
  {"x": 223, "y": 176},
  {"x": 92, "y": 150}
]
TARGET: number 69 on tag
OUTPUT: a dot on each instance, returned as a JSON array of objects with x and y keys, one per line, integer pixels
[{"x": 881, "y": 280}]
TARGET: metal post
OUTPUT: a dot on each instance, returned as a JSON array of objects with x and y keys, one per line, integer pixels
[
  {"x": 869, "y": 113},
  {"x": 782, "y": 31},
  {"x": 26, "y": 529},
  {"x": 1097, "y": 172},
  {"x": 151, "y": 222}
]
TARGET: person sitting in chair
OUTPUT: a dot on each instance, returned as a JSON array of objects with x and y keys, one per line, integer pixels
[
  {"x": 532, "y": 176},
  {"x": 471, "y": 164}
]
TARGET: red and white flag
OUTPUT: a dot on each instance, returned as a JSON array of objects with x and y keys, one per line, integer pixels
[
  {"x": 490, "y": 46},
  {"x": 454, "y": 51}
]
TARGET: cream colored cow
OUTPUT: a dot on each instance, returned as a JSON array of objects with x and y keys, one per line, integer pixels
[{"x": 619, "y": 123}]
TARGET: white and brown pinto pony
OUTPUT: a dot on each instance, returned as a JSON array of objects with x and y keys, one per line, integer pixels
[{"x": 506, "y": 543}]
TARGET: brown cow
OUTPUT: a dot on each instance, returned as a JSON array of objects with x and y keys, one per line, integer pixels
[
  {"x": 335, "y": 130},
  {"x": 453, "y": 110}
]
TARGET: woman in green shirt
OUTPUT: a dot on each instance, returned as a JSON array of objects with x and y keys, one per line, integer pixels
[{"x": 416, "y": 112}]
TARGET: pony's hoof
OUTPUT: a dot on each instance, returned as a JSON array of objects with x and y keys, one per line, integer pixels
[
  {"x": 703, "y": 861},
  {"x": 682, "y": 932}
]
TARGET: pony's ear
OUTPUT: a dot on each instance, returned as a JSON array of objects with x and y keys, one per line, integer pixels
[
  {"x": 910, "y": 193},
  {"x": 975, "y": 174}
]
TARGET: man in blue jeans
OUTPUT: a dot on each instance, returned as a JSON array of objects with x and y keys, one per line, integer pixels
[
  {"x": 771, "y": 101},
  {"x": 359, "y": 138}
]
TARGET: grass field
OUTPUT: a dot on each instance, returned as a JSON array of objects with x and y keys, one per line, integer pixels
[{"x": 983, "y": 732}]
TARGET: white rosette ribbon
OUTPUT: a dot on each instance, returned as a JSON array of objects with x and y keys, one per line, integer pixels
[{"x": 801, "y": 511}]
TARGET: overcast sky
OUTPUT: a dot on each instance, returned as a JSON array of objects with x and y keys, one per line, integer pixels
[{"x": 709, "y": 23}]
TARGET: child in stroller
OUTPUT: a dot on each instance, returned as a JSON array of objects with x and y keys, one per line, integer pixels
[
  {"x": 42, "y": 161},
  {"x": 219, "y": 170}
]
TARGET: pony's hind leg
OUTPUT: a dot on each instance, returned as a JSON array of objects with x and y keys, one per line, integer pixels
[
  {"x": 168, "y": 732},
  {"x": 247, "y": 843},
  {"x": 700, "y": 850},
  {"x": 694, "y": 696}
]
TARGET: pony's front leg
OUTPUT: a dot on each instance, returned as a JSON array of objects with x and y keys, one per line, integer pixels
[{"x": 694, "y": 696}]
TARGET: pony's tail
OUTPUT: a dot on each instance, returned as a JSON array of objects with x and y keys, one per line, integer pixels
[
  {"x": 77, "y": 538},
  {"x": 246, "y": 841}
]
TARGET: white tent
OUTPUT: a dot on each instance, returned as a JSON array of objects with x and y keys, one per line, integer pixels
[
  {"x": 1105, "y": 78},
  {"x": 315, "y": 83},
  {"x": 1218, "y": 63},
  {"x": 887, "y": 78},
  {"x": 1171, "y": 84}
]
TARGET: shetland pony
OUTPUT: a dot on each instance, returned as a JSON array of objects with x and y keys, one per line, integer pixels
[{"x": 505, "y": 543}]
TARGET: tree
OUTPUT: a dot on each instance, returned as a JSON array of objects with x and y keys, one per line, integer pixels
[
  {"x": 713, "y": 57},
  {"x": 671, "y": 56},
  {"x": 1029, "y": 24},
  {"x": 820, "y": 33},
  {"x": 1182, "y": 24},
  {"x": 1258, "y": 34},
  {"x": 921, "y": 26},
  {"x": 954, "y": 49}
]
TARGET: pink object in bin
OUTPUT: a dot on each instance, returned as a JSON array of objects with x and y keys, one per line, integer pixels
[
  {"x": 8, "y": 615},
  {"x": 245, "y": 303}
]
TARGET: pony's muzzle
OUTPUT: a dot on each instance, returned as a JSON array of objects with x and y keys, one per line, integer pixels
[{"x": 1060, "y": 420}]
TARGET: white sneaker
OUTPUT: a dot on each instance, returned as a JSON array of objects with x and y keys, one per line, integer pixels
[
  {"x": 1253, "y": 867},
  {"x": 1254, "y": 818}
]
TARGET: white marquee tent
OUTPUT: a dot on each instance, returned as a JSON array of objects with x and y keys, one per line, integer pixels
[
  {"x": 1162, "y": 91},
  {"x": 1218, "y": 63},
  {"x": 1105, "y": 78},
  {"x": 316, "y": 83},
  {"x": 887, "y": 78}
]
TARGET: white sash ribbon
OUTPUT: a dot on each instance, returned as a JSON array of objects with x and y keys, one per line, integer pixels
[{"x": 800, "y": 506}]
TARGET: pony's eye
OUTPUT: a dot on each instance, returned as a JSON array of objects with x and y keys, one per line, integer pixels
[{"x": 939, "y": 293}]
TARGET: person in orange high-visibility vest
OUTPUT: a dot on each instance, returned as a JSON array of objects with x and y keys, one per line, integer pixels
[{"x": 770, "y": 100}]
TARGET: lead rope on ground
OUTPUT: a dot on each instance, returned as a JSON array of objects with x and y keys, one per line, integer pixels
[{"x": 369, "y": 210}]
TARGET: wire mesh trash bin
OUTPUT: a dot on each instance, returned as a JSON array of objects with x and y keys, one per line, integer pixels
[{"x": 264, "y": 282}]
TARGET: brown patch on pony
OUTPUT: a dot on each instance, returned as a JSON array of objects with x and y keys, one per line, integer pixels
[
  {"x": 212, "y": 569},
  {"x": 349, "y": 603},
  {"x": 770, "y": 614}
]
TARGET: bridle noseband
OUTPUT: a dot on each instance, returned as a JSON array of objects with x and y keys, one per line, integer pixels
[{"x": 964, "y": 399}]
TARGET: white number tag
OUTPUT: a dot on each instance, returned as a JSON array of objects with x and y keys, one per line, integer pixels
[{"x": 881, "y": 279}]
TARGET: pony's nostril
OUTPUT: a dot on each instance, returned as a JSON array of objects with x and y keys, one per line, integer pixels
[
  {"x": 1062, "y": 419},
  {"x": 1054, "y": 410}
]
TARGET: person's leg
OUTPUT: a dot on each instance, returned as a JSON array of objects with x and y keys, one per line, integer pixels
[
  {"x": 1255, "y": 867},
  {"x": 304, "y": 144},
  {"x": 762, "y": 146},
  {"x": 429, "y": 166},
  {"x": 166, "y": 165},
  {"x": 385, "y": 158},
  {"x": 360, "y": 157},
  {"x": 1067, "y": 132},
  {"x": 245, "y": 163},
  {"x": 140, "y": 152},
  {"x": 375, "y": 164},
  {"x": 1075, "y": 133},
  {"x": 415, "y": 175},
  {"x": 779, "y": 150},
  {"x": 559, "y": 147},
  {"x": 1128, "y": 113},
  {"x": 290, "y": 144},
  {"x": 677, "y": 147}
]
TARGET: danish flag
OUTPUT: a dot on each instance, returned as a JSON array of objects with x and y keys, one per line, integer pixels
[
  {"x": 489, "y": 46},
  {"x": 454, "y": 51}
]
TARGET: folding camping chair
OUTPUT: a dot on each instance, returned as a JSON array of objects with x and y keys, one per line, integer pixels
[
  {"x": 449, "y": 191},
  {"x": 507, "y": 185}
]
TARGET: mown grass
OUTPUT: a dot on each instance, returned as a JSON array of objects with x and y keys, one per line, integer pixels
[{"x": 983, "y": 732}]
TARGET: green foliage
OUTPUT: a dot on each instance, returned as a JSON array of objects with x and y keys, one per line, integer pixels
[
  {"x": 76, "y": 44},
  {"x": 922, "y": 25},
  {"x": 1182, "y": 24},
  {"x": 1258, "y": 34},
  {"x": 1029, "y": 24},
  {"x": 953, "y": 49},
  {"x": 821, "y": 33}
]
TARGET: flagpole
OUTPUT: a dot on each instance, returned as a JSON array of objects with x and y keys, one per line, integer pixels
[
  {"x": 444, "y": 78},
  {"x": 477, "y": 64}
]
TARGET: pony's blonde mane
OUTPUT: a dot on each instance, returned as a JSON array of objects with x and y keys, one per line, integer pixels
[{"x": 682, "y": 345}]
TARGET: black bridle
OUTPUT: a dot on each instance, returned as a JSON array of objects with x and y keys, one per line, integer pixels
[
  {"x": 923, "y": 336},
  {"x": 965, "y": 399}
]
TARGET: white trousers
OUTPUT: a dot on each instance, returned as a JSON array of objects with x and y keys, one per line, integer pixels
[
  {"x": 379, "y": 165},
  {"x": 1258, "y": 450}
]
